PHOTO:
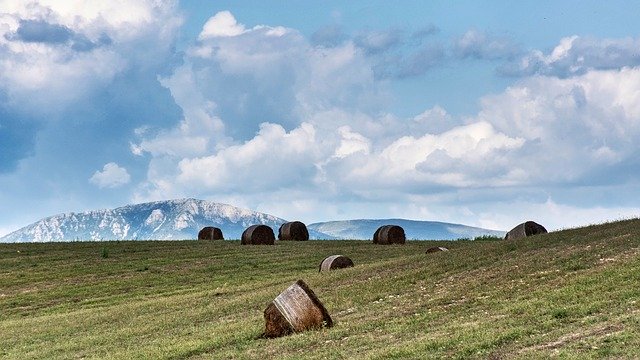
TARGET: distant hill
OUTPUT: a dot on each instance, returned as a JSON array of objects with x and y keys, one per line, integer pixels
[
  {"x": 414, "y": 229},
  {"x": 160, "y": 220}
]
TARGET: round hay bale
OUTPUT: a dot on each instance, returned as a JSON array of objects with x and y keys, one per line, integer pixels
[
  {"x": 389, "y": 234},
  {"x": 436, "y": 249},
  {"x": 258, "y": 235},
  {"x": 335, "y": 262},
  {"x": 295, "y": 230},
  {"x": 296, "y": 309},
  {"x": 376, "y": 235},
  {"x": 210, "y": 233},
  {"x": 525, "y": 229}
]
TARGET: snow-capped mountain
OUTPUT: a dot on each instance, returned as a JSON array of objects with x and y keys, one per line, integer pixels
[
  {"x": 414, "y": 230},
  {"x": 160, "y": 220}
]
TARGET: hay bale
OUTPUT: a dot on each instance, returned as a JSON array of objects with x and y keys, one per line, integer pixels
[
  {"x": 389, "y": 234},
  {"x": 258, "y": 235},
  {"x": 296, "y": 309},
  {"x": 436, "y": 249},
  {"x": 294, "y": 230},
  {"x": 525, "y": 229},
  {"x": 210, "y": 233},
  {"x": 376, "y": 235},
  {"x": 335, "y": 262}
]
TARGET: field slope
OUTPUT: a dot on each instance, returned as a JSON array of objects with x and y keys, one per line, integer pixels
[{"x": 573, "y": 293}]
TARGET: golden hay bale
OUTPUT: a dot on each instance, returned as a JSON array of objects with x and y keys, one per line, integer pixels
[
  {"x": 436, "y": 249},
  {"x": 296, "y": 309},
  {"x": 210, "y": 233},
  {"x": 335, "y": 262},
  {"x": 525, "y": 229},
  {"x": 258, "y": 235},
  {"x": 294, "y": 230},
  {"x": 389, "y": 234}
]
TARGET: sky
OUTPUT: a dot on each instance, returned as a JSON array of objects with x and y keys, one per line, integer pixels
[{"x": 481, "y": 113}]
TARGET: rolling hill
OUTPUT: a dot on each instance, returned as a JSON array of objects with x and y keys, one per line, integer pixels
[{"x": 570, "y": 294}]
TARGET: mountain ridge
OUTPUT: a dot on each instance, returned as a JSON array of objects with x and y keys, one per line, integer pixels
[
  {"x": 181, "y": 219},
  {"x": 157, "y": 220}
]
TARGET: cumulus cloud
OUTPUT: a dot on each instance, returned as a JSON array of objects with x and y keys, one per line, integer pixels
[
  {"x": 220, "y": 25},
  {"x": 591, "y": 120},
  {"x": 274, "y": 158},
  {"x": 456, "y": 158},
  {"x": 340, "y": 138},
  {"x": 56, "y": 52},
  {"x": 64, "y": 64},
  {"x": 78, "y": 78},
  {"x": 266, "y": 112},
  {"x": 577, "y": 55},
  {"x": 111, "y": 176}
]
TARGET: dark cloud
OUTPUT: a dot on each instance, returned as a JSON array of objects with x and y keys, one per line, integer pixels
[
  {"x": 419, "y": 35},
  {"x": 42, "y": 32},
  {"x": 329, "y": 36},
  {"x": 81, "y": 43},
  {"x": 37, "y": 31},
  {"x": 395, "y": 53},
  {"x": 419, "y": 62},
  {"x": 376, "y": 42}
]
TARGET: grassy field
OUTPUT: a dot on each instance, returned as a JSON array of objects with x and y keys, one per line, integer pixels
[{"x": 570, "y": 294}]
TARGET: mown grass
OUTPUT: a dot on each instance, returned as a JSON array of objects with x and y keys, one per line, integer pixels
[{"x": 572, "y": 294}]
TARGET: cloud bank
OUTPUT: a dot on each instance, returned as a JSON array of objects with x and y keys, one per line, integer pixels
[{"x": 264, "y": 117}]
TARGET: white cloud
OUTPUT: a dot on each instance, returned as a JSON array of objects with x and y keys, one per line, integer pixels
[
  {"x": 111, "y": 176},
  {"x": 220, "y": 25},
  {"x": 577, "y": 55},
  {"x": 325, "y": 141},
  {"x": 351, "y": 142},
  {"x": 273, "y": 158},
  {"x": 468, "y": 155},
  {"x": 574, "y": 126},
  {"x": 55, "y": 52}
]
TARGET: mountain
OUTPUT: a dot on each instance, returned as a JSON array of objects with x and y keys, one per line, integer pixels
[
  {"x": 160, "y": 220},
  {"x": 414, "y": 230},
  {"x": 182, "y": 219}
]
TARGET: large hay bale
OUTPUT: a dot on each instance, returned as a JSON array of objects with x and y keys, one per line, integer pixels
[
  {"x": 294, "y": 230},
  {"x": 335, "y": 262},
  {"x": 258, "y": 235},
  {"x": 296, "y": 309},
  {"x": 525, "y": 229},
  {"x": 389, "y": 234},
  {"x": 436, "y": 249},
  {"x": 376, "y": 235},
  {"x": 210, "y": 233}
]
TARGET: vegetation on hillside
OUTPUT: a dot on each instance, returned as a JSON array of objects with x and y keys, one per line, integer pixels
[{"x": 572, "y": 293}]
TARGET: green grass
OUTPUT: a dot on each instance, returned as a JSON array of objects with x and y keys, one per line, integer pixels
[{"x": 572, "y": 294}]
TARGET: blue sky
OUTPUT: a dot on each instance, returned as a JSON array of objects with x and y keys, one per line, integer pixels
[{"x": 482, "y": 113}]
